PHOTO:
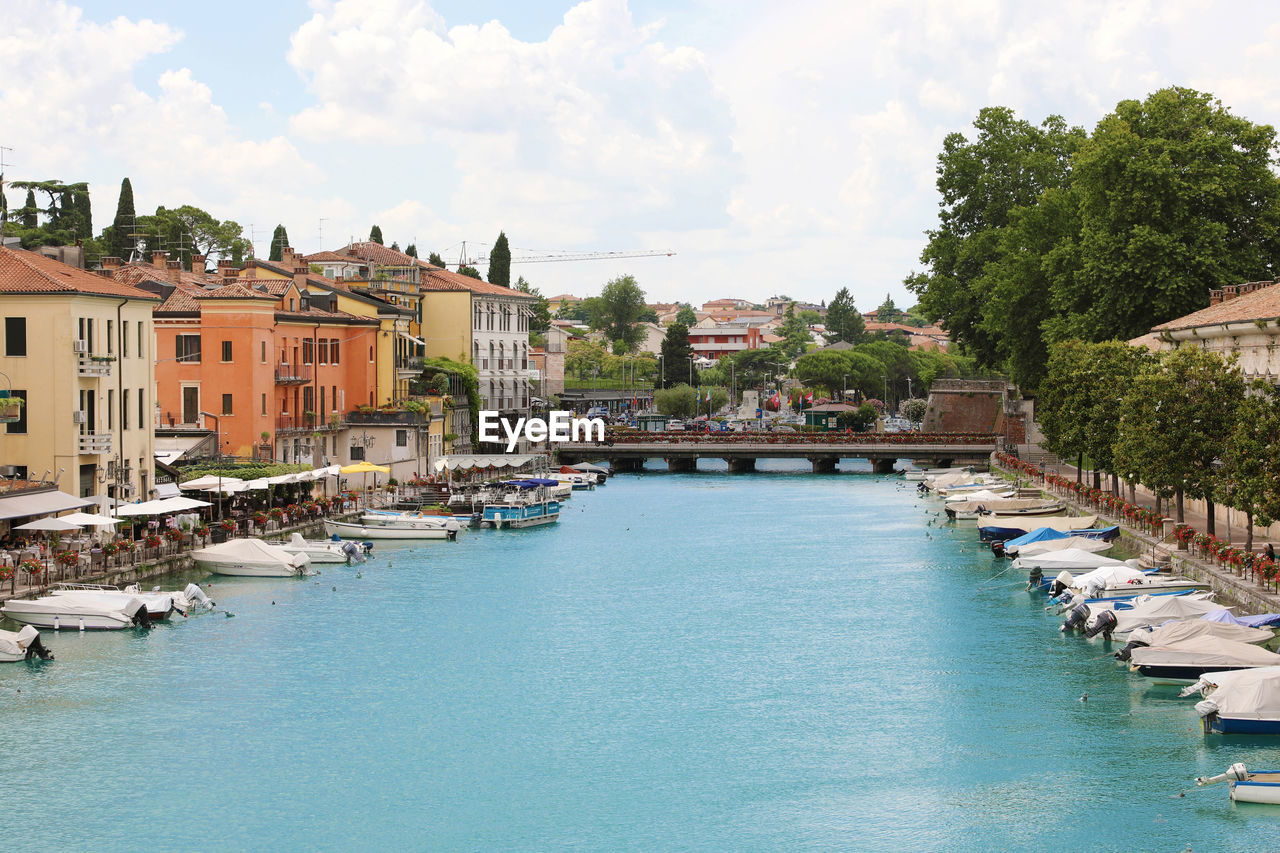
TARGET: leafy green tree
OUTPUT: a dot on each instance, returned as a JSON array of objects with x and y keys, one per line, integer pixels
[
  {"x": 411, "y": 250},
  {"x": 810, "y": 317},
  {"x": 1008, "y": 165},
  {"x": 1175, "y": 421},
  {"x": 887, "y": 312},
  {"x": 84, "y": 214},
  {"x": 794, "y": 333},
  {"x": 617, "y": 310},
  {"x": 541, "y": 319},
  {"x": 860, "y": 419},
  {"x": 395, "y": 247},
  {"x": 677, "y": 356},
  {"x": 1176, "y": 196},
  {"x": 1249, "y": 479},
  {"x": 375, "y": 235},
  {"x": 187, "y": 229},
  {"x": 680, "y": 400},
  {"x": 279, "y": 240},
  {"x": 1065, "y": 400},
  {"x": 826, "y": 369},
  {"x": 584, "y": 358},
  {"x": 914, "y": 409},
  {"x": 844, "y": 320},
  {"x": 29, "y": 212},
  {"x": 686, "y": 315},
  {"x": 472, "y": 272},
  {"x": 435, "y": 260},
  {"x": 500, "y": 261}
]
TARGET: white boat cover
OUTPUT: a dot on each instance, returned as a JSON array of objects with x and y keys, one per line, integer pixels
[
  {"x": 956, "y": 478},
  {"x": 1204, "y": 651},
  {"x": 16, "y": 642},
  {"x": 1176, "y": 632},
  {"x": 1071, "y": 559},
  {"x": 984, "y": 496},
  {"x": 1244, "y": 693},
  {"x": 1110, "y": 574},
  {"x": 250, "y": 551},
  {"x": 1061, "y": 523},
  {"x": 1081, "y": 543},
  {"x": 1159, "y": 609}
]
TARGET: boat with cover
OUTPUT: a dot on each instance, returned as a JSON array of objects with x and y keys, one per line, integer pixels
[
  {"x": 1127, "y": 581},
  {"x": 1004, "y": 529},
  {"x": 1048, "y": 534},
  {"x": 998, "y": 493},
  {"x": 1187, "y": 660},
  {"x": 1247, "y": 786},
  {"x": 577, "y": 480},
  {"x": 324, "y": 550},
  {"x": 1079, "y": 543},
  {"x": 916, "y": 474},
  {"x": 160, "y": 605},
  {"x": 1239, "y": 701},
  {"x": 1119, "y": 619},
  {"x": 394, "y": 527},
  {"x": 89, "y": 612},
  {"x": 22, "y": 645},
  {"x": 526, "y": 503},
  {"x": 250, "y": 558},
  {"x": 1176, "y": 632},
  {"x": 974, "y": 508}
]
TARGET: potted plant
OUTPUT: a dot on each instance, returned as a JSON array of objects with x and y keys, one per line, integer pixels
[
  {"x": 10, "y": 408},
  {"x": 68, "y": 559},
  {"x": 173, "y": 534},
  {"x": 153, "y": 540},
  {"x": 32, "y": 567}
]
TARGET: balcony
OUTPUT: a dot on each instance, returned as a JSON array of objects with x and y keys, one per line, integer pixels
[
  {"x": 88, "y": 366},
  {"x": 381, "y": 417},
  {"x": 95, "y": 443},
  {"x": 411, "y": 365},
  {"x": 293, "y": 374},
  {"x": 307, "y": 423}
]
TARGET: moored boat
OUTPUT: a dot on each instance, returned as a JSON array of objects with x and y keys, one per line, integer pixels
[
  {"x": 22, "y": 645},
  {"x": 1247, "y": 786},
  {"x": 85, "y": 612},
  {"x": 1176, "y": 632},
  {"x": 250, "y": 558},
  {"x": 1239, "y": 701},
  {"x": 526, "y": 503},
  {"x": 1187, "y": 660},
  {"x": 324, "y": 551},
  {"x": 160, "y": 605},
  {"x": 393, "y": 527},
  {"x": 1001, "y": 529}
]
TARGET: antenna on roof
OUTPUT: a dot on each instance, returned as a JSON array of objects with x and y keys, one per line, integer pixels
[
  {"x": 321, "y": 232},
  {"x": 5, "y": 213}
]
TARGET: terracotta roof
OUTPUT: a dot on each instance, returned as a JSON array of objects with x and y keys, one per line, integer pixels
[
  {"x": 1261, "y": 302},
  {"x": 28, "y": 272},
  {"x": 377, "y": 253},
  {"x": 137, "y": 272},
  {"x": 318, "y": 314},
  {"x": 236, "y": 290},
  {"x": 332, "y": 257},
  {"x": 437, "y": 279}
]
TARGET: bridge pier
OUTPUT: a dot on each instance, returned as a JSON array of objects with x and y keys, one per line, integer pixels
[
  {"x": 681, "y": 464},
  {"x": 823, "y": 464},
  {"x": 628, "y": 466},
  {"x": 740, "y": 464},
  {"x": 882, "y": 466}
]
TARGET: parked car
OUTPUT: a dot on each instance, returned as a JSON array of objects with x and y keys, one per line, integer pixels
[
  {"x": 675, "y": 426},
  {"x": 597, "y": 412}
]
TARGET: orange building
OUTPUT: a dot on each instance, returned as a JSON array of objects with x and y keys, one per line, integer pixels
[{"x": 270, "y": 368}]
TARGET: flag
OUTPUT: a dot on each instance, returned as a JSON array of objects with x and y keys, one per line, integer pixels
[{"x": 810, "y": 398}]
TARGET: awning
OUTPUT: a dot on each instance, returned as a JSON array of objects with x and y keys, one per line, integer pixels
[
  {"x": 26, "y": 503},
  {"x": 409, "y": 337},
  {"x": 490, "y": 460},
  {"x": 170, "y": 448},
  {"x": 167, "y": 490}
]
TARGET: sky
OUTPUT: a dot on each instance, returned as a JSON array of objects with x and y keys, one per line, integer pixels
[{"x": 773, "y": 148}]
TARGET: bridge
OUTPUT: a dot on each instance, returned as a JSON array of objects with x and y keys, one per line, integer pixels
[{"x": 681, "y": 450}]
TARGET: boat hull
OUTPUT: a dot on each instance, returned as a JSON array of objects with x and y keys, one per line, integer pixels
[
  {"x": 68, "y": 621},
  {"x": 349, "y": 530},
  {"x": 1184, "y": 674},
  {"x": 247, "y": 569},
  {"x": 522, "y": 515},
  {"x": 1241, "y": 726},
  {"x": 1254, "y": 790}
]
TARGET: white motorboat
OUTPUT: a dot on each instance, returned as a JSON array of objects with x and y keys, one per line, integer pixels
[
  {"x": 84, "y": 612},
  {"x": 526, "y": 503},
  {"x": 1187, "y": 660},
  {"x": 160, "y": 605},
  {"x": 250, "y": 558},
  {"x": 1119, "y": 619},
  {"x": 1247, "y": 786},
  {"x": 1239, "y": 701},
  {"x": 577, "y": 481},
  {"x": 974, "y": 507},
  {"x": 916, "y": 474},
  {"x": 1082, "y": 543},
  {"x": 1124, "y": 581},
  {"x": 324, "y": 550},
  {"x": 1176, "y": 632},
  {"x": 393, "y": 527},
  {"x": 22, "y": 645}
]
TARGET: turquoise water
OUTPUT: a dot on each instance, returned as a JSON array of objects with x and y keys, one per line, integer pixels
[{"x": 686, "y": 662}]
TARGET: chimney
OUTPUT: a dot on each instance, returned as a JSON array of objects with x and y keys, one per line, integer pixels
[
  {"x": 174, "y": 268},
  {"x": 1215, "y": 296},
  {"x": 339, "y": 280},
  {"x": 300, "y": 273},
  {"x": 197, "y": 263},
  {"x": 351, "y": 250},
  {"x": 287, "y": 257},
  {"x": 158, "y": 259},
  {"x": 110, "y": 263},
  {"x": 226, "y": 267},
  {"x": 1229, "y": 292}
]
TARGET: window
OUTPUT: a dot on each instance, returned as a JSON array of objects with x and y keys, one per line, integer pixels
[
  {"x": 335, "y": 398},
  {"x": 264, "y": 404},
  {"x": 188, "y": 348},
  {"x": 371, "y": 362},
  {"x": 226, "y": 404},
  {"x": 479, "y": 317},
  {"x": 15, "y": 336},
  {"x": 124, "y": 338},
  {"x": 322, "y": 408},
  {"x": 308, "y": 351},
  {"x": 333, "y": 351},
  {"x": 322, "y": 357},
  {"x": 124, "y": 409},
  {"x": 111, "y": 406},
  {"x": 357, "y": 453},
  {"x": 142, "y": 410},
  {"x": 19, "y": 427},
  {"x": 141, "y": 354},
  {"x": 293, "y": 305},
  {"x": 226, "y": 350},
  {"x": 264, "y": 352},
  {"x": 402, "y": 438},
  {"x": 111, "y": 336}
]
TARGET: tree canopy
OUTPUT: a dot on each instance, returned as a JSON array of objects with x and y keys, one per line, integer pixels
[
  {"x": 617, "y": 311},
  {"x": 500, "y": 261},
  {"x": 686, "y": 315},
  {"x": 844, "y": 320},
  {"x": 677, "y": 356},
  {"x": 375, "y": 235},
  {"x": 279, "y": 240},
  {"x": 184, "y": 230}
]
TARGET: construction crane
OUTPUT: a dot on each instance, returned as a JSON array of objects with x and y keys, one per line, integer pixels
[{"x": 535, "y": 257}]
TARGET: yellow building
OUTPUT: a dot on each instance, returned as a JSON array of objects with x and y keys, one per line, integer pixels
[{"x": 79, "y": 349}]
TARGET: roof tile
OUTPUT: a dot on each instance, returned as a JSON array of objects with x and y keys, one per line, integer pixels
[{"x": 29, "y": 272}]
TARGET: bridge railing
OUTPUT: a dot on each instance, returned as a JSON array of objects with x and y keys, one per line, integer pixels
[{"x": 626, "y": 438}]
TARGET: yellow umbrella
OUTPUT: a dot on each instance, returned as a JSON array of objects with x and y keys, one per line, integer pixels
[{"x": 364, "y": 467}]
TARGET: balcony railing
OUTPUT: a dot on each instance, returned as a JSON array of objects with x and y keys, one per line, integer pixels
[
  {"x": 379, "y": 416},
  {"x": 410, "y": 362},
  {"x": 286, "y": 423},
  {"x": 293, "y": 374},
  {"x": 94, "y": 443},
  {"x": 88, "y": 367}
]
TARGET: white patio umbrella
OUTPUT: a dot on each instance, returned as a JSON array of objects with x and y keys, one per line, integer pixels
[
  {"x": 211, "y": 481},
  {"x": 88, "y": 519},
  {"x": 144, "y": 508},
  {"x": 49, "y": 523},
  {"x": 180, "y": 503}
]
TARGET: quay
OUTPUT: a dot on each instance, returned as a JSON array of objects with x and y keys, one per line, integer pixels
[{"x": 681, "y": 451}]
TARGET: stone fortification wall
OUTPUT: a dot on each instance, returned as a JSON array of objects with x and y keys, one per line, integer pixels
[{"x": 966, "y": 405}]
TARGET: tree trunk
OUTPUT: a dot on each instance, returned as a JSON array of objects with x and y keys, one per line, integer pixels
[
  {"x": 1248, "y": 531},
  {"x": 1157, "y": 503},
  {"x": 1133, "y": 493},
  {"x": 1115, "y": 485},
  {"x": 1210, "y": 528},
  {"x": 1079, "y": 469},
  {"x": 1097, "y": 479},
  {"x": 1178, "y": 497}
]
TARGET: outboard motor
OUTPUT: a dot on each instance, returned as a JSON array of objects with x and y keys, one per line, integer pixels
[
  {"x": 997, "y": 548},
  {"x": 35, "y": 649},
  {"x": 354, "y": 553},
  {"x": 1127, "y": 652},
  {"x": 1104, "y": 623},
  {"x": 197, "y": 597},
  {"x": 1060, "y": 584},
  {"x": 1035, "y": 578},
  {"x": 451, "y": 529},
  {"x": 1235, "y": 773},
  {"x": 335, "y": 538},
  {"x": 142, "y": 618},
  {"x": 367, "y": 545},
  {"x": 1079, "y": 614}
]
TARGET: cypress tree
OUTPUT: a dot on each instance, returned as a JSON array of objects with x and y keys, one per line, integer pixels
[
  {"x": 121, "y": 243},
  {"x": 84, "y": 215},
  {"x": 411, "y": 250},
  {"x": 500, "y": 261},
  {"x": 375, "y": 235},
  {"x": 29, "y": 218},
  {"x": 435, "y": 260},
  {"x": 395, "y": 247},
  {"x": 279, "y": 239}
]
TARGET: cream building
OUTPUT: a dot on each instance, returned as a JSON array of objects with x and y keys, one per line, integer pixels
[
  {"x": 78, "y": 348},
  {"x": 1242, "y": 319}
]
